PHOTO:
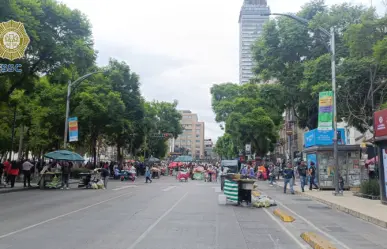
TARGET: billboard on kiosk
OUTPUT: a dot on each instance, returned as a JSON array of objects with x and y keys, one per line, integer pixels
[{"x": 380, "y": 123}]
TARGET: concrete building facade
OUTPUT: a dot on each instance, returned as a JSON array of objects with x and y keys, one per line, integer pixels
[
  {"x": 191, "y": 141},
  {"x": 253, "y": 15}
]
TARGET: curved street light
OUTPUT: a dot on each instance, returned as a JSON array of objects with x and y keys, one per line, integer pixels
[
  {"x": 69, "y": 85},
  {"x": 332, "y": 51}
]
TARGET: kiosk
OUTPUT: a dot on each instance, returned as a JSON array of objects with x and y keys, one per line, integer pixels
[{"x": 319, "y": 149}]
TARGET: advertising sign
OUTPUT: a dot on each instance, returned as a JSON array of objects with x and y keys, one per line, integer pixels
[
  {"x": 323, "y": 137},
  {"x": 73, "y": 129},
  {"x": 380, "y": 123},
  {"x": 325, "y": 111}
]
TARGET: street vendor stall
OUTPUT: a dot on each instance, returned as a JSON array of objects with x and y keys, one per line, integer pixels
[
  {"x": 156, "y": 172},
  {"x": 51, "y": 177},
  {"x": 198, "y": 173},
  {"x": 238, "y": 190}
]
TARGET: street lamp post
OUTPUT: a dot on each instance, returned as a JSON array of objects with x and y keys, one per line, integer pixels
[
  {"x": 332, "y": 51},
  {"x": 69, "y": 85}
]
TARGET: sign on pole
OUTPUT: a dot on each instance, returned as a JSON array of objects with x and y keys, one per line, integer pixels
[
  {"x": 325, "y": 111},
  {"x": 248, "y": 148},
  {"x": 73, "y": 129}
]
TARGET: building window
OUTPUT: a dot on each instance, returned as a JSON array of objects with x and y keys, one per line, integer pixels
[
  {"x": 198, "y": 125},
  {"x": 198, "y": 141},
  {"x": 197, "y": 135}
]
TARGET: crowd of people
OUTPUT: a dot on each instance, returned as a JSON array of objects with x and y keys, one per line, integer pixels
[{"x": 272, "y": 172}]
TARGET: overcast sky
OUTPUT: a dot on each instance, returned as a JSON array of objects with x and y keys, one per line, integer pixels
[{"x": 180, "y": 48}]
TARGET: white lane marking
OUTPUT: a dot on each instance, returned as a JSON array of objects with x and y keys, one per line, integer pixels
[
  {"x": 61, "y": 216},
  {"x": 125, "y": 187},
  {"x": 169, "y": 188},
  {"x": 150, "y": 228},
  {"x": 314, "y": 226},
  {"x": 285, "y": 229},
  {"x": 217, "y": 189}
]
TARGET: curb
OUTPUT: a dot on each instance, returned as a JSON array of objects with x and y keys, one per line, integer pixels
[
  {"x": 20, "y": 189},
  {"x": 283, "y": 216},
  {"x": 343, "y": 209},
  {"x": 316, "y": 241},
  {"x": 11, "y": 190}
]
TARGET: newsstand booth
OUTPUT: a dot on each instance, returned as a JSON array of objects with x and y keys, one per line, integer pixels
[
  {"x": 380, "y": 133},
  {"x": 319, "y": 149}
]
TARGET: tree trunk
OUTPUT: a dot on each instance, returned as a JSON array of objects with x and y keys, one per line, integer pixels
[
  {"x": 21, "y": 136},
  {"x": 119, "y": 154},
  {"x": 94, "y": 151}
]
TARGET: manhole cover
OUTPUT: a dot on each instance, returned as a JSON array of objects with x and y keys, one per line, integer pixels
[
  {"x": 335, "y": 229},
  {"x": 318, "y": 207},
  {"x": 302, "y": 199}
]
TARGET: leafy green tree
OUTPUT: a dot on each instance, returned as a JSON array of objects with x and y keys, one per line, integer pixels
[
  {"x": 98, "y": 107},
  {"x": 296, "y": 56},
  {"x": 160, "y": 118},
  {"x": 225, "y": 147},
  {"x": 124, "y": 131},
  {"x": 252, "y": 113}
]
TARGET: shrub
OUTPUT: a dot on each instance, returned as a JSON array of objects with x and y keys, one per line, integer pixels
[
  {"x": 370, "y": 187},
  {"x": 76, "y": 171}
]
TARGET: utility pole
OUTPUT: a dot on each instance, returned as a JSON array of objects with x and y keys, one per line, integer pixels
[{"x": 13, "y": 132}]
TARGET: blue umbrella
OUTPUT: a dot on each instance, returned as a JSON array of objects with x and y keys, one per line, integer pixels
[{"x": 64, "y": 155}]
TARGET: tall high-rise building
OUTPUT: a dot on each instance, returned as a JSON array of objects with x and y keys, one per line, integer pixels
[
  {"x": 191, "y": 142},
  {"x": 253, "y": 14}
]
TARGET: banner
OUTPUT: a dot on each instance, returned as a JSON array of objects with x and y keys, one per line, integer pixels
[
  {"x": 73, "y": 129},
  {"x": 325, "y": 111}
]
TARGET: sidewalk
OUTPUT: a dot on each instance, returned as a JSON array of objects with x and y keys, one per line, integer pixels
[{"x": 369, "y": 210}]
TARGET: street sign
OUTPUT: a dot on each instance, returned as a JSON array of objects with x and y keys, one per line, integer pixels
[{"x": 248, "y": 148}]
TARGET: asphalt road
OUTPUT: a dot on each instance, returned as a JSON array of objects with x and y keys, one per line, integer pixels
[{"x": 169, "y": 215}]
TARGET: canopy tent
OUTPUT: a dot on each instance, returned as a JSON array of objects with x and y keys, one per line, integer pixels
[
  {"x": 153, "y": 160},
  {"x": 183, "y": 159},
  {"x": 175, "y": 164},
  {"x": 64, "y": 155}
]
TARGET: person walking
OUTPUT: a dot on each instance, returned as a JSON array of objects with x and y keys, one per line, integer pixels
[
  {"x": 312, "y": 174},
  {"x": 302, "y": 171},
  {"x": 66, "y": 169},
  {"x": 271, "y": 174},
  {"x": 13, "y": 172},
  {"x": 27, "y": 165},
  {"x": 288, "y": 178},
  {"x": 105, "y": 177},
  {"x": 148, "y": 175}
]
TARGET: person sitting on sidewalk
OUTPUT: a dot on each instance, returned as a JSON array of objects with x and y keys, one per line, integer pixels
[
  {"x": 288, "y": 178},
  {"x": 302, "y": 170},
  {"x": 312, "y": 173}
]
